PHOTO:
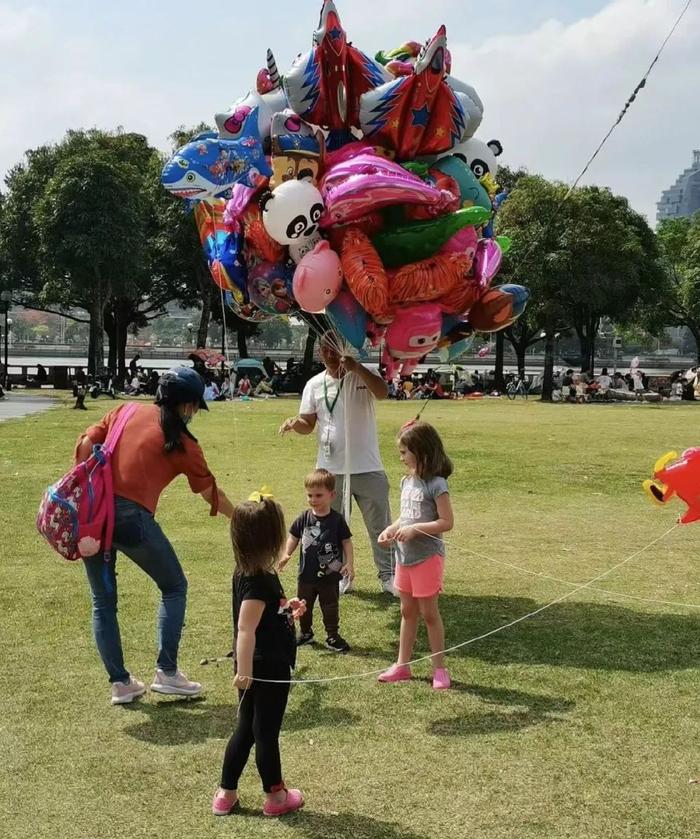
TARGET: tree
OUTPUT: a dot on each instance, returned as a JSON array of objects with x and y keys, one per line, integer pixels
[
  {"x": 679, "y": 304},
  {"x": 90, "y": 222},
  {"x": 614, "y": 263},
  {"x": 274, "y": 333},
  {"x": 538, "y": 259}
]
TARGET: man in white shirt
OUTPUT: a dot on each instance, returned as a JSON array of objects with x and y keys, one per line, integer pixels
[{"x": 339, "y": 404}]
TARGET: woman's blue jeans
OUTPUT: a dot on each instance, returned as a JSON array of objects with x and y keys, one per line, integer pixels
[{"x": 138, "y": 535}]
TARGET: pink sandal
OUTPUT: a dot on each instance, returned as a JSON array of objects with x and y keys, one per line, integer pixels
[
  {"x": 441, "y": 679},
  {"x": 220, "y": 806},
  {"x": 293, "y": 801},
  {"x": 396, "y": 673}
]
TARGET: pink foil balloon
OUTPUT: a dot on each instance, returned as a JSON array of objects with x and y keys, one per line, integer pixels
[{"x": 487, "y": 261}]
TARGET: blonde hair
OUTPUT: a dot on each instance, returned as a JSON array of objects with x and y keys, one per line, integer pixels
[
  {"x": 424, "y": 443},
  {"x": 320, "y": 478},
  {"x": 257, "y": 535}
]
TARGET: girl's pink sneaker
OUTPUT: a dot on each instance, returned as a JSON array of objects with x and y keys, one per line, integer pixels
[
  {"x": 396, "y": 673},
  {"x": 293, "y": 801},
  {"x": 221, "y": 806},
  {"x": 441, "y": 679}
]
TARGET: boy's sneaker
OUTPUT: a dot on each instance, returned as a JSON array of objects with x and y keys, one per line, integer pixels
[
  {"x": 125, "y": 692},
  {"x": 177, "y": 685},
  {"x": 304, "y": 638},
  {"x": 337, "y": 644},
  {"x": 346, "y": 585}
]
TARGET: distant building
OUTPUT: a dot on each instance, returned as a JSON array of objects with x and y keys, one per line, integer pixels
[{"x": 683, "y": 198}]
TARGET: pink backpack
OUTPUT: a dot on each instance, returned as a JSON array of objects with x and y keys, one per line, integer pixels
[{"x": 76, "y": 515}]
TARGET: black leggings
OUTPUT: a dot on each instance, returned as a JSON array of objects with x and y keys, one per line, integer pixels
[{"x": 260, "y": 713}]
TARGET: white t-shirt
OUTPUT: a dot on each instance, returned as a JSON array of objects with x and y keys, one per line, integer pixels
[
  {"x": 604, "y": 381},
  {"x": 319, "y": 398}
]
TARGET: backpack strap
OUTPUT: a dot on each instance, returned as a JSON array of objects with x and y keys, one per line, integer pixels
[
  {"x": 115, "y": 431},
  {"x": 108, "y": 448}
]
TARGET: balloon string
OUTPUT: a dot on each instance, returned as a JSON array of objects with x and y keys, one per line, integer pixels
[{"x": 577, "y": 587}]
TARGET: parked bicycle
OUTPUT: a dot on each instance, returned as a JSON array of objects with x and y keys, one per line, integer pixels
[{"x": 517, "y": 386}]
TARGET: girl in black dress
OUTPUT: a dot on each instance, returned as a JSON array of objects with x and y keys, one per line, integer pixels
[{"x": 265, "y": 645}]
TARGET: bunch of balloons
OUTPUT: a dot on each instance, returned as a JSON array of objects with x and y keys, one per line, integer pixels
[{"x": 355, "y": 186}]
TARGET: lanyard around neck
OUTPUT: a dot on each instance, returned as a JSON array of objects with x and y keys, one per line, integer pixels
[{"x": 331, "y": 405}]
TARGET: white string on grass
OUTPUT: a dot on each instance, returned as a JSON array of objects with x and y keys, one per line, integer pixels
[{"x": 565, "y": 596}]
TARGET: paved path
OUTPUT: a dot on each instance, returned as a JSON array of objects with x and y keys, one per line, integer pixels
[{"x": 16, "y": 404}]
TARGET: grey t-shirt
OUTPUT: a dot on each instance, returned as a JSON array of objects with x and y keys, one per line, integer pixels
[{"x": 419, "y": 504}]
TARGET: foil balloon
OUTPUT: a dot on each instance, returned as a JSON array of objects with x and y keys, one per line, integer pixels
[
  {"x": 414, "y": 332},
  {"x": 292, "y": 211},
  {"x": 365, "y": 274},
  {"x": 479, "y": 156},
  {"x": 296, "y": 149},
  {"x": 208, "y": 167},
  {"x": 232, "y": 123},
  {"x": 471, "y": 192},
  {"x": 455, "y": 340},
  {"x": 498, "y": 308},
  {"x": 367, "y": 182},
  {"x": 677, "y": 476},
  {"x": 430, "y": 279},
  {"x": 317, "y": 278},
  {"x": 241, "y": 196},
  {"x": 324, "y": 85},
  {"x": 268, "y": 287},
  {"x": 246, "y": 310},
  {"x": 349, "y": 318},
  {"x": 417, "y": 114},
  {"x": 487, "y": 262},
  {"x": 223, "y": 249},
  {"x": 418, "y": 240}
]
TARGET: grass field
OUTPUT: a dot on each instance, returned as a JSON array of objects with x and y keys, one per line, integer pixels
[{"x": 581, "y": 722}]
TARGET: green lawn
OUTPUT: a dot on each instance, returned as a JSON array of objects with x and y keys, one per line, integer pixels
[{"x": 582, "y": 722}]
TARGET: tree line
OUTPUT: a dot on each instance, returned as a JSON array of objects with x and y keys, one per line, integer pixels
[{"x": 85, "y": 225}]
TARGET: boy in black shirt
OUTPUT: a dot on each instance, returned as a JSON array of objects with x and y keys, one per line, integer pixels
[{"x": 326, "y": 556}]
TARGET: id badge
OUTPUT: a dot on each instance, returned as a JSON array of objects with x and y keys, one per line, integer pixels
[{"x": 327, "y": 449}]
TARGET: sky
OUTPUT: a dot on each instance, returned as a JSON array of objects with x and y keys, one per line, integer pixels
[{"x": 553, "y": 74}]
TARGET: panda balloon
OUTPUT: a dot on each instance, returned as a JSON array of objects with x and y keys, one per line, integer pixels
[
  {"x": 479, "y": 156},
  {"x": 291, "y": 213}
]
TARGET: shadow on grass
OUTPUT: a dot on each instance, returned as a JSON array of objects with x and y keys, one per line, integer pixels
[
  {"x": 315, "y": 825},
  {"x": 176, "y": 722},
  {"x": 525, "y": 710},
  {"x": 586, "y": 635}
]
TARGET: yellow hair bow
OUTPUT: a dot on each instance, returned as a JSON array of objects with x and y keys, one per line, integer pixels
[{"x": 260, "y": 494}]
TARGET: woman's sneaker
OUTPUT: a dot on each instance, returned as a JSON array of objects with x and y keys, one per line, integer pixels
[
  {"x": 125, "y": 692},
  {"x": 177, "y": 685},
  {"x": 337, "y": 644},
  {"x": 304, "y": 638}
]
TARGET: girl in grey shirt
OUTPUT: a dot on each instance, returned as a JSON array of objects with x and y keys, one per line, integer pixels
[{"x": 426, "y": 513}]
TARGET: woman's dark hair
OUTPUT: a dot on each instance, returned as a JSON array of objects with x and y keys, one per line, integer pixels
[
  {"x": 424, "y": 443},
  {"x": 257, "y": 535},
  {"x": 172, "y": 424}
]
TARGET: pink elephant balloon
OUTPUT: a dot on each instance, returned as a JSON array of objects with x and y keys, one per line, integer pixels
[
  {"x": 317, "y": 278},
  {"x": 366, "y": 182}
]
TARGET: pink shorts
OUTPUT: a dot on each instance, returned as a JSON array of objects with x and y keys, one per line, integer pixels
[{"x": 422, "y": 580}]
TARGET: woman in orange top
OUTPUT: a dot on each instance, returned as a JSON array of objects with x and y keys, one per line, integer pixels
[{"x": 154, "y": 448}]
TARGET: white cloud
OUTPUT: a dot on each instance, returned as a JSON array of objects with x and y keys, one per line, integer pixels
[{"x": 551, "y": 94}]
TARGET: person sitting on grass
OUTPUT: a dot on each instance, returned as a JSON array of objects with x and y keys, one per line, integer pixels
[
  {"x": 426, "y": 513},
  {"x": 265, "y": 650},
  {"x": 325, "y": 561},
  {"x": 244, "y": 386}
]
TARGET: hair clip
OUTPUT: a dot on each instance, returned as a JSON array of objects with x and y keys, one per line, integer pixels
[{"x": 260, "y": 494}]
